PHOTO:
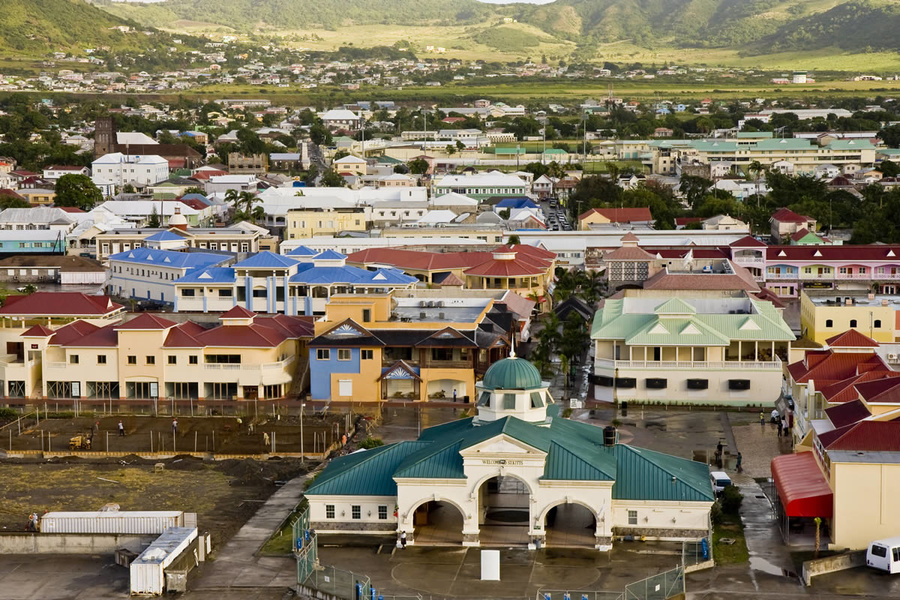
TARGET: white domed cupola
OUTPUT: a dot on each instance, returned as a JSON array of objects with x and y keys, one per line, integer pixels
[{"x": 512, "y": 387}]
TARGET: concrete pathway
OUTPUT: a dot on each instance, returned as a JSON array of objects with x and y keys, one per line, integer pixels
[{"x": 237, "y": 565}]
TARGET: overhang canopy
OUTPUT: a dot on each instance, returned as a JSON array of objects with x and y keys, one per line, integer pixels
[{"x": 801, "y": 486}]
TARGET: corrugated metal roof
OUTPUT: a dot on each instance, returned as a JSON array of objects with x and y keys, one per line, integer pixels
[
  {"x": 563, "y": 464},
  {"x": 446, "y": 463},
  {"x": 647, "y": 475},
  {"x": 367, "y": 473}
]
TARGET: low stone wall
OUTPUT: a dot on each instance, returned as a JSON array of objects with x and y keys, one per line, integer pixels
[
  {"x": 661, "y": 534},
  {"x": 71, "y": 543},
  {"x": 831, "y": 564},
  {"x": 335, "y": 527}
]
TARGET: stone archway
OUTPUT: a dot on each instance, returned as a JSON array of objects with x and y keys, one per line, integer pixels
[
  {"x": 570, "y": 525},
  {"x": 504, "y": 511},
  {"x": 437, "y": 523}
]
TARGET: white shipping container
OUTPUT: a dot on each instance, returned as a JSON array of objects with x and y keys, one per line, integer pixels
[
  {"x": 118, "y": 522},
  {"x": 148, "y": 569}
]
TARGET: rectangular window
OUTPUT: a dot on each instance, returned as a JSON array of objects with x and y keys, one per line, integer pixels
[
  {"x": 509, "y": 401},
  {"x": 226, "y": 293},
  {"x": 151, "y": 360},
  {"x": 73, "y": 359},
  {"x": 366, "y": 354},
  {"x": 323, "y": 354},
  {"x": 173, "y": 360},
  {"x": 103, "y": 389},
  {"x": 344, "y": 354},
  {"x": 382, "y": 513},
  {"x": 192, "y": 360},
  {"x": 132, "y": 360},
  {"x": 187, "y": 293},
  {"x": 632, "y": 517},
  {"x": 329, "y": 511},
  {"x": 356, "y": 511},
  {"x": 101, "y": 359},
  {"x": 367, "y": 315},
  {"x": 219, "y": 359}
]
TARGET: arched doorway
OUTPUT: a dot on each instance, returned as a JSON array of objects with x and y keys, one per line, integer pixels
[
  {"x": 570, "y": 525},
  {"x": 504, "y": 509},
  {"x": 437, "y": 523}
]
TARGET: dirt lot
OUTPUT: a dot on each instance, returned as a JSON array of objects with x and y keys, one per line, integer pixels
[
  {"x": 226, "y": 435},
  {"x": 224, "y": 494}
]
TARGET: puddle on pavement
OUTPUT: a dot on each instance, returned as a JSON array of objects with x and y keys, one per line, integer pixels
[{"x": 761, "y": 564}]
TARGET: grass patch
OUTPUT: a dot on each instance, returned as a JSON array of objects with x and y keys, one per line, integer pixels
[
  {"x": 730, "y": 554},
  {"x": 281, "y": 541}
]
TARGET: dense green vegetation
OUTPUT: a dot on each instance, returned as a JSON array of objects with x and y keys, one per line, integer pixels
[{"x": 755, "y": 26}]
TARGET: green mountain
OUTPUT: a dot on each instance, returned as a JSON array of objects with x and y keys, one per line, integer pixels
[
  {"x": 752, "y": 26},
  {"x": 41, "y": 26}
]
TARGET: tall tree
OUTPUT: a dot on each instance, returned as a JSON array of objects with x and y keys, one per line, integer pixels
[{"x": 78, "y": 191}]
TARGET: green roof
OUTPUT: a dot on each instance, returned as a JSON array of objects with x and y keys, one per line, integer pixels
[
  {"x": 512, "y": 374},
  {"x": 675, "y": 306},
  {"x": 509, "y": 150},
  {"x": 575, "y": 452},
  {"x": 754, "y": 134},
  {"x": 783, "y": 144},
  {"x": 612, "y": 322},
  {"x": 555, "y": 151},
  {"x": 851, "y": 145}
]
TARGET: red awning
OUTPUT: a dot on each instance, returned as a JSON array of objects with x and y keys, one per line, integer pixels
[{"x": 801, "y": 486}]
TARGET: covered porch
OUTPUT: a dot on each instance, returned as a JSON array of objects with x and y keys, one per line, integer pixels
[{"x": 802, "y": 495}]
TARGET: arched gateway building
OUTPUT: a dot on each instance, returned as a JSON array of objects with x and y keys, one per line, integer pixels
[{"x": 514, "y": 474}]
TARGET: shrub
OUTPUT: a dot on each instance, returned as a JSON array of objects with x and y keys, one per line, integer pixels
[
  {"x": 566, "y": 413},
  {"x": 370, "y": 442},
  {"x": 731, "y": 500}
]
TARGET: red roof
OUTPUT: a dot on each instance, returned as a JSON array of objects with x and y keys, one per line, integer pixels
[
  {"x": 203, "y": 175},
  {"x": 845, "y": 389},
  {"x": 105, "y": 337},
  {"x": 38, "y": 331},
  {"x": 147, "y": 321},
  {"x": 748, "y": 241},
  {"x": 826, "y": 253},
  {"x": 73, "y": 332},
  {"x": 880, "y": 391},
  {"x": 786, "y": 215},
  {"x": 867, "y": 436},
  {"x": 826, "y": 367},
  {"x": 851, "y": 339},
  {"x": 238, "y": 312},
  {"x": 58, "y": 304},
  {"x": 70, "y": 209},
  {"x": 194, "y": 203},
  {"x": 847, "y": 413},
  {"x": 802, "y": 488},
  {"x": 620, "y": 215},
  {"x": 688, "y": 220},
  {"x": 183, "y": 336}
]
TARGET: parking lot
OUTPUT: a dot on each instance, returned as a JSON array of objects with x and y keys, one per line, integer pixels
[{"x": 557, "y": 219}]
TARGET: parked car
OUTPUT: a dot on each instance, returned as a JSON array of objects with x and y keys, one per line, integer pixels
[
  {"x": 884, "y": 555},
  {"x": 720, "y": 480}
]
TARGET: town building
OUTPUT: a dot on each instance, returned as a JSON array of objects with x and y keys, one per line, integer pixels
[
  {"x": 481, "y": 186},
  {"x": 515, "y": 474},
  {"x": 136, "y": 170},
  {"x": 299, "y": 283},
  {"x": 786, "y": 223},
  {"x": 150, "y": 273},
  {"x": 689, "y": 347},
  {"x": 239, "y": 238},
  {"x": 826, "y": 313},
  {"x": 148, "y": 357},
  {"x": 324, "y": 216}
]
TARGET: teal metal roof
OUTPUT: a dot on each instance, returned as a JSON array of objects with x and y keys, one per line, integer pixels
[
  {"x": 512, "y": 374},
  {"x": 783, "y": 144},
  {"x": 367, "y": 473},
  {"x": 648, "y": 475},
  {"x": 851, "y": 145},
  {"x": 433, "y": 463},
  {"x": 675, "y": 306},
  {"x": 565, "y": 465}
]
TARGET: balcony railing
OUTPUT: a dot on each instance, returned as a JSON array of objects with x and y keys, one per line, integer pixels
[
  {"x": 607, "y": 363},
  {"x": 749, "y": 260}
]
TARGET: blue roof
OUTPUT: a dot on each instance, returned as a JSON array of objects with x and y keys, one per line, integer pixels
[
  {"x": 330, "y": 255},
  {"x": 516, "y": 203},
  {"x": 209, "y": 275},
  {"x": 266, "y": 260},
  {"x": 168, "y": 258},
  {"x": 302, "y": 251},
  {"x": 164, "y": 236},
  {"x": 312, "y": 274},
  {"x": 199, "y": 197}
]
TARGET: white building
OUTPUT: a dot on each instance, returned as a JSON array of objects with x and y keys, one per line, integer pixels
[
  {"x": 148, "y": 273},
  {"x": 516, "y": 474},
  {"x": 124, "y": 169}
]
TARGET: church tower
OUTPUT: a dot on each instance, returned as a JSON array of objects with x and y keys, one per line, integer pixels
[{"x": 104, "y": 136}]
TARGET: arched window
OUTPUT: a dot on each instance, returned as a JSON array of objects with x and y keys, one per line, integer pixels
[
  {"x": 829, "y": 323},
  {"x": 877, "y": 323},
  {"x": 852, "y": 322}
]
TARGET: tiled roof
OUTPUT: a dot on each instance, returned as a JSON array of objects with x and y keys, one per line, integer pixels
[
  {"x": 865, "y": 436},
  {"x": 620, "y": 215},
  {"x": 845, "y": 390},
  {"x": 851, "y": 339},
  {"x": 182, "y": 336},
  {"x": 847, "y": 413},
  {"x": 826, "y": 367},
  {"x": 38, "y": 331},
  {"x": 786, "y": 215},
  {"x": 238, "y": 312},
  {"x": 147, "y": 321},
  {"x": 72, "y": 333},
  {"x": 53, "y": 304},
  {"x": 880, "y": 391}
]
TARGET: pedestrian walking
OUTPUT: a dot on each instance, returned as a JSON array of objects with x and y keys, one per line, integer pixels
[
  {"x": 174, "y": 426},
  {"x": 778, "y": 424},
  {"x": 454, "y": 394},
  {"x": 403, "y": 539},
  {"x": 121, "y": 429},
  {"x": 762, "y": 418},
  {"x": 740, "y": 462},
  {"x": 774, "y": 415},
  {"x": 784, "y": 426}
]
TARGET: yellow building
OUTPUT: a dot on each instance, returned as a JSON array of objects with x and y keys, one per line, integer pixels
[
  {"x": 614, "y": 216},
  {"x": 147, "y": 358},
  {"x": 325, "y": 220},
  {"x": 38, "y": 196},
  {"x": 826, "y": 314},
  {"x": 377, "y": 347},
  {"x": 350, "y": 164}
]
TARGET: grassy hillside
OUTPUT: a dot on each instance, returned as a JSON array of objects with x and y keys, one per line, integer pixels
[
  {"x": 41, "y": 26},
  {"x": 244, "y": 15}
]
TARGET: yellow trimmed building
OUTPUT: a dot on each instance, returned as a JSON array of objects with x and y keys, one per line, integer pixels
[{"x": 824, "y": 314}]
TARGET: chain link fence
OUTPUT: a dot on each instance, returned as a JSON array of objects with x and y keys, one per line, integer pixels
[
  {"x": 695, "y": 553},
  {"x": 658, "y": 587}
]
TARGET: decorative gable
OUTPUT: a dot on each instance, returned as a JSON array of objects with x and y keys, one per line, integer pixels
[
  {"x": 347, "y": 329},
  {"x": 690, "y": 329},
  {"x": 659, "y": 329},
  {"x": 749, "y": 325}
]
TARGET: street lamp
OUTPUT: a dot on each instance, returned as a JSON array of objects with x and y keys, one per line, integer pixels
[{"x": 542, "y": 117}]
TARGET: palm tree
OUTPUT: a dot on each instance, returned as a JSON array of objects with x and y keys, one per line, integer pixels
[{"x": 757, "y": 168}]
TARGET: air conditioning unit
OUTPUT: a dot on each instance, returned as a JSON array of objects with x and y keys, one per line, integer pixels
[{"x": 892, "y": 357}]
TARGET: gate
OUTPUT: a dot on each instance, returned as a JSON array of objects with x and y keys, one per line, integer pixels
[{"x": 657, "y": 587}]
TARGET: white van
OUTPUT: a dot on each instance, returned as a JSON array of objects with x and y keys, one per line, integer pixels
[
  {"x": 884, "y": 555},
  {"x": 720, "y": 480}
]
